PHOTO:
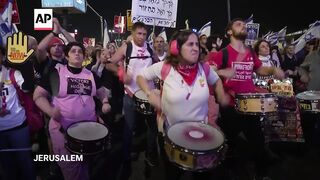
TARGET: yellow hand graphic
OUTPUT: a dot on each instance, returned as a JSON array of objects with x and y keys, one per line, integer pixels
[{"x": 17, "y": 48}]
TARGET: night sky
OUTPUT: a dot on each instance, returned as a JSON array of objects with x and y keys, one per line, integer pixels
[{"x": 272, "y": 14}]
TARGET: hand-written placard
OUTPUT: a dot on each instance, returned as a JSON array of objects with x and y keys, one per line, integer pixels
[
  {"x": 163, "y": 12},
  {"x": 152, "y": 21}
]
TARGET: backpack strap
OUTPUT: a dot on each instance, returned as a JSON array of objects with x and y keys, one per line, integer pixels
[
  {"x": 253, "y": 54},
  {"x": 128, "y": 54},
  {"x": 206, "y": 69},
  {"x": 15, "y": 84},
  {"x": 12, "y": 79},
  {"x": 225, "y": 57},
  {"x": 129, "y": 51},
  {"x": 166, "y": 67}
]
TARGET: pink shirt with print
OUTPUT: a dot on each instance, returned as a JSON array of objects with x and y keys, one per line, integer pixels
[{"x": 244, "y": 64}]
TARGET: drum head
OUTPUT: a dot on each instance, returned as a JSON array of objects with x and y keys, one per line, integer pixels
[
  {"x": 309, "y": 95},
  {"x": 195, "y": 136},
  {"x": 141, "y": 95},
  {"x": 87, "y": 131}
]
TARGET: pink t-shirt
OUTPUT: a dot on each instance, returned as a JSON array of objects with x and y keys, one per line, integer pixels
[
  {"x": 75, "y": 97},
  {"x": 244, "y": 64}
]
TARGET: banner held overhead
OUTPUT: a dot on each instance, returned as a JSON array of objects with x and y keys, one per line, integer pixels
[{"x": 161, "y": 13}]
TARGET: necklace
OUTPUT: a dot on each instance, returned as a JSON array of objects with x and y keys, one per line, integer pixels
[{"x": 185, "y": 84}]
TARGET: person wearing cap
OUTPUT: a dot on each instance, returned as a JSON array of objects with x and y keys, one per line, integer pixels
[{"x": 50, "y": 49}]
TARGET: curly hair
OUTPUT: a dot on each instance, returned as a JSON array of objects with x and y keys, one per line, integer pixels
[{"x": 257, "y": 44}]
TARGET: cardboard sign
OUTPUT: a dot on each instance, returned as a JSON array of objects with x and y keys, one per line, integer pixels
[
  {"x": 155, "y": 12},
  {"x": 253, "y": 33}
]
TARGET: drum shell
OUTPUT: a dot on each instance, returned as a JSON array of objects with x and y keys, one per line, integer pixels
[
  {"x": 189, "y": 159},
  {"x": 87, "y": 147},
  {"x": 256, "y": 103},
  {"x": 309, "y": 106},
  {"x": 309, "y": 101},
  {"x": 143, "y": 106}
]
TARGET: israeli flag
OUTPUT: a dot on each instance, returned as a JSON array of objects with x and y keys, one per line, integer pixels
[
  {"x": 205, "y": 30},
  {"x": 5, "y": 23},
  {"x": 249, "y": 20},
  {"x": 276, "y": 37},
  {"x": 311, "y": 33},
  {"x": 106, "y": 38},
  {"x": 163, "y": 35},
  {"x": 4, "y": 32},
  {"x": 266, "y": 35},
  {"x": 150, "y": 38},
  {"x": 282, "y": 34}
]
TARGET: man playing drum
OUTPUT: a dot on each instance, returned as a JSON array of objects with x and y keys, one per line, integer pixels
[
  {"x": 138, "y": 57},
  {"x": 244, "y": 62}
]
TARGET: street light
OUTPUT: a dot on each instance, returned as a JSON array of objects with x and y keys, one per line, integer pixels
[
  {"x": 101, "y": 19},
  {"x": 228, "y": 8}
]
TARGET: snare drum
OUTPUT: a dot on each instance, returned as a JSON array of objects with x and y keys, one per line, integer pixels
[
  {"x": 142, "y": 104},
  {"x": 87, "y": 138},
  {"x": 309, "y": 101},
  {"x": 256, "y": 103},
  {"x": 194, "y": 146}
]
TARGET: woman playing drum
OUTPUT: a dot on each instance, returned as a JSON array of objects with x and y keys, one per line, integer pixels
[
  {"x": 185, "y": 91},
  {"x": 72, "y": 89}
]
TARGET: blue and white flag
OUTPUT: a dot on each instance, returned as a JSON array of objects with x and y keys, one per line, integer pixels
[
  {"x": 14, "y": 29},
  {"x": 6, "y": 14},
  {"x": 5, "y": 22},
  {"x": 163, "y": 35},
  {"x": 106, "y": 38},
  {"x": 150, "y": 38},
  {"x": 205, "y": 30},
  {"x": 4, "y": 32},
  {"x": 312, "y": 33},
  {"x": 272, "y": 38},
  {"x": 249, "y": 20},
  {"x": 282, "y": 34},
  {"x": 266, "y": 35},
  {"x": 275, "y": 37}
]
